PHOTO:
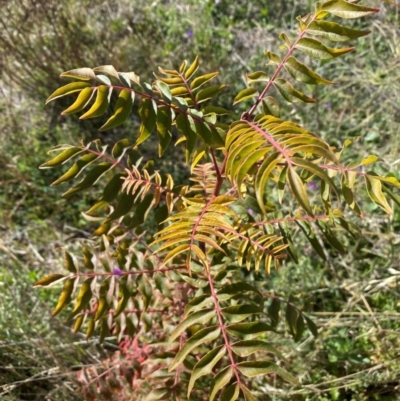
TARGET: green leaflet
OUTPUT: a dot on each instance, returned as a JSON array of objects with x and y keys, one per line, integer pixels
[
  {"x": 290, "y": 94},
  {"x": 164, "y": 91},
  {"x": 125, "y": 204},
  {"x": 91, "y": 178},
  {"x": 120, "y": 148},
  {"x": 311, "y": 326},
  {"x": 164, "y": 129},
  {"x": 81, "y": 101},
  {"x": 63, "y": 157},
  {"x": 237, "y": 313},
  {"x": 205, "y": 365},
  {"x": 69, "y": 263},
  {"x": 315, "y": 170},
  {"x": 197, "y": 303},
  {"x": 186, "y": 126},
  {"x": 245, "y": 94},
  {"x": 310, "y": 235},
  {"x": 302, "y": 73},
  {"x": 113, "y": 187},
  {"x": 161, "y": 393},
  {"x": 84, "y": 296},
  {"x": 334, "y": 32},
  {"x": 146, "y": 289},
  {"x": 78, "y": 323},
  {"x": 262, "y": 177},
  {"x": 231, "y": 393},
  {"x": 65, "y": 297},
  {"x": 48, "y": 280},
  {"x": 125, "y": 295},
  {"x": 251, "y": 330},
  {"x": 67, "y": 90},
  {"x": 249, "y": 347},
  {"x": 274, "y": 311},
  {"x": 148, "y": 115},
  {"x": 192, "y": 68},
  {"x": 103, "y": 305},
  {"x": 248, "y": 396},
  {"x": 200, "y": 81},
  {"x": 254, "y": 369},
  {"x": 374, "y": 188},
  {"x": 271, "y": 106},
  {"x": 202, "y": 336},
  {"x": 221, "y": 379},
  {"x": 299, "y": 191},
  {"x": 208, "y": 93},
  {"x": 101, "y": 103},
  {"x": 258, "y": 76},
  {"x": 90, "y": 327},
  {"x": 330, "y": 237},
  {"x": 231, "y": 290},
  {"x": 122, "y": 110},
  {"x": 291, "y": 316},
  {"x": 316, "y": 49},
  {"x": 344, "y": 9}
]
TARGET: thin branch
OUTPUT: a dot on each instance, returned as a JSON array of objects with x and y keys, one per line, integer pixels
[{"x": 247, "y": 116}]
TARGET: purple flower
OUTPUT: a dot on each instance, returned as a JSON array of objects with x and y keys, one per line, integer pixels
[
  {"x": 117, "y": 272},
  {"x": 312, "y": 185},
  {"x": 251, "y": 212},
  {"x": 328, "y": 105},
  {"x": 189, "y": 33}
]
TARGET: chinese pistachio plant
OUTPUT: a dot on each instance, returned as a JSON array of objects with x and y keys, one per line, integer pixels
[{"x": 177, "y": 266}]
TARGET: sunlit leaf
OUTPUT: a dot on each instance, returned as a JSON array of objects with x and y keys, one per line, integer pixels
[
  {"x": 344, "y": 9},
  {"x": 302, "y": 73},
  {"x": 245, "y": 94},
  {"x": 315, "y": 48},
  {"x": 334, "y": 31}
]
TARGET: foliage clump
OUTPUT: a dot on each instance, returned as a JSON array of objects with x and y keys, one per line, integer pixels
[{"x": 165, "y": 264}]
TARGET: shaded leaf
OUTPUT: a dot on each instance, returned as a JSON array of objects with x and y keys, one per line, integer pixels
[
  {"x": 50, "y": 279},
  {"x": 91, "y": 178},
  {"x": 148, "y": 115}
]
